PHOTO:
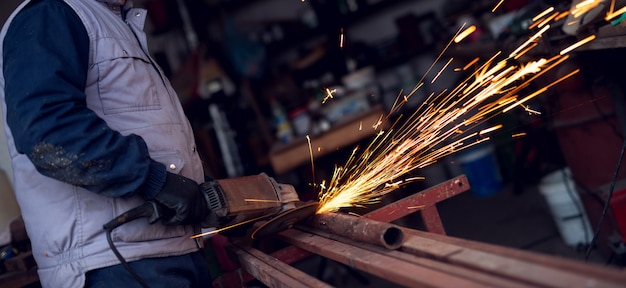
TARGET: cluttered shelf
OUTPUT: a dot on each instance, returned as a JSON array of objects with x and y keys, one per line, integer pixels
[
  {"x": 286, "y": 156},
  {"x": 17, "y": 264}
]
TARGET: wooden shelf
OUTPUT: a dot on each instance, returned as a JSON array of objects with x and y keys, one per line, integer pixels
[{"x": 284, "y": 157}]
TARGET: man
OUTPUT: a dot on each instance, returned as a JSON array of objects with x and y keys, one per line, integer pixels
[{"x": 95, "y": 129}]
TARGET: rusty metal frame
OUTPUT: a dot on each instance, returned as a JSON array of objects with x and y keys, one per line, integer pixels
[
  {"x": 271, "y": 271},
  {"x": 423, "y": 261},
  {"x": 424, "y": 201},
  {"x": 424, "y": 258}
]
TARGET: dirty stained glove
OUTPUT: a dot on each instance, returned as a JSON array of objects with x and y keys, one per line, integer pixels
[{"x": 183, "y": 197}]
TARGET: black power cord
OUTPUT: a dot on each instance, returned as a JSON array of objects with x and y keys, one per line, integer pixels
[
  {"x": 124, "y": 263},
  {"x": 148, "y": 210},
  {"x": 606, "y": 203}
]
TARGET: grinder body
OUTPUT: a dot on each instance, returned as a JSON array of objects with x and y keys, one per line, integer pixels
[
  {"x": 235, "y": 200},
  {"x": 232, "y": 201}
]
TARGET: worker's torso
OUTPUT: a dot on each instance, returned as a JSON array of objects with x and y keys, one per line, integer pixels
[{"x": 128, "y": 90}]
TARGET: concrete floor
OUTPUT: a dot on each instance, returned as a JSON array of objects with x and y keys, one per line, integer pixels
[{"x": 520, "y": 221}]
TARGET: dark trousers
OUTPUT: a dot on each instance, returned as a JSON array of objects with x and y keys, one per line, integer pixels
[{"x": 190, "y": 270}]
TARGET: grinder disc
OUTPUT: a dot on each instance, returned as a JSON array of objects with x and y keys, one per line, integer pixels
[{"x": 285, "y": 220}]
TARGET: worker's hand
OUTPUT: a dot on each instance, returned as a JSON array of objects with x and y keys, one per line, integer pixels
[{"x": 182, "y": 196}]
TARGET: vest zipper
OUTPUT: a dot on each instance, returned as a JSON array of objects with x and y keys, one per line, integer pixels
[
  {"x": 152, "y": 62},
  {"x": 148, "y": 56}
]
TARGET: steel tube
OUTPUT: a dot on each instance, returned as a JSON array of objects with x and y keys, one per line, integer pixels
[{"x": 360, "y": 229}]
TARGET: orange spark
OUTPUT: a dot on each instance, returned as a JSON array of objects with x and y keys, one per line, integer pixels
[
  {"x": 444, "y": 123},
  {"x": 561, "y": 15},
  {"x": 531, "y": 39},
  {"x": 531, "y": 111},
  {"x": 550, "y": 18},
  {"x": 577, "y": 44},
  {"x": 341, "y": 39},
  {"x": 530, "y": 47},
  {"x": 584, "y": 7},
  {"x": 440, "y": 71},
  {"x": 541, "y": 90},
  {"x": 262, "y": 200},
  {"x": 465, "y": 33},
  {"x": 619, "y": 12},
  {"x": 329, "y": 95},
  {"x": 544, "y": 13},
  {"x": 420, "y": 82},
  {"x": 471, "y": 63},
  {"x": 488, "y": 130},
  {"x": 545, "y": 21},
  {"x": 228, "y": 227},
  {"x": 308, "y": 139},
  {"x": 496, "y": 7},
  {"x": 611, "y": 13}
]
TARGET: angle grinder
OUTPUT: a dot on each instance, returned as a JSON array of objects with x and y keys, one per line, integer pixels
[{"x": 238, "y": 200}]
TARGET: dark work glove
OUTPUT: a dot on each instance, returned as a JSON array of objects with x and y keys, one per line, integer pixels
[{"x": 182, "y": 196}]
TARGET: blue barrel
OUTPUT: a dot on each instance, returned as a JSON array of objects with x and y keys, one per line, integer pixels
[{"x": 482, "y": 170}]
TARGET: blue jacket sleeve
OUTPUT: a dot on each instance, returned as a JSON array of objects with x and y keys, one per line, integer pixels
[{"x": 45, "y": 58}]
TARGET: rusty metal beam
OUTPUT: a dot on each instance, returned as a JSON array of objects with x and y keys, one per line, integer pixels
[
  {"x": 291, "y": 254},
  {"x": 271, "y": 271},
  {"x": 608, "y": 273},
  {"x": 448, "y": 268},
  {"x": 424, "y": 201},
  {"x": 360, "y": 229},
  {"x": 237, "y": 278},
  {"x": 507, "y": 268},
  {"x": 431, "y": 218},
  {"x": 287, "y": 255},
  {"x": 376, "y": 263},
  {"x": 484, "y": 262}
]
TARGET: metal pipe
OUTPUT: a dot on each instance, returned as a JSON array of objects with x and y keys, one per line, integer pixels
[{"x": 360, "y": 229}]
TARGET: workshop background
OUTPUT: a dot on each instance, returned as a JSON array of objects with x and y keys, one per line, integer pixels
[{"x": 253, "y": 77}]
